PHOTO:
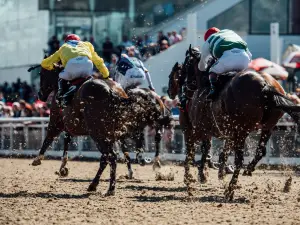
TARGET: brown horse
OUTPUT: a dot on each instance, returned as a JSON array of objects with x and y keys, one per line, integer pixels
[
  {"x": 104, "y": 111},
  {"x": 247, "y": 102},
  {"x": 177, "y": 78}
]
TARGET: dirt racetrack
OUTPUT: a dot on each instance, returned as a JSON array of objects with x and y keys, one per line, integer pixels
[{"x": 35, "y": 195}]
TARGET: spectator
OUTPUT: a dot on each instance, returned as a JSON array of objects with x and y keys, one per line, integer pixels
[
  {"x": 107, "y": 49},
  {"x": 177, "y": 37},
  {"x": 183, "y": 32},
  {"x": 147, "y": 40},
  {"x": 28, "y": 110},
  {"x": 125, "y": 42},
  {"x": 164, "y": 45},
  {"x": 22, "y": 107},
  {"x": 161, "y": 37},
  {"x": 63, "y": 39},
  {"x": 16, "y": 109},
  {"x": 92, "y": 41},
  {"x": 7, "y": 111},
  {"x": 112, "y": 65},
  {"x": 53, "y": 45},
  {"x": 171, "y": 38}
]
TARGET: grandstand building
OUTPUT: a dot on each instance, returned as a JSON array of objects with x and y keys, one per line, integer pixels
[{"x": 27, "y": 26}]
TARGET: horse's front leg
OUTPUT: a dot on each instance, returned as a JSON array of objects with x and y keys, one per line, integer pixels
[
  {"x": 157, "y": 138},
  {"x": 64, "y": 171},
  {"x": 54, "y": 128},
  {"x": 205, "y": 147},
  {"x": 190, "y": 157}
]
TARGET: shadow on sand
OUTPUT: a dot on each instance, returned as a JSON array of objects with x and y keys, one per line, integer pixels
[
  {"x": 79, "y": 180},
  {"x": 208, "y": 199},
  {"x": 25, "y": 194}
]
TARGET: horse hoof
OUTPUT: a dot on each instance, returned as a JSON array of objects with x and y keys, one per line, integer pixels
[
  {"x": 229, "y": 195},
  {"x": 202, "y": 179},
  {"x": 247, "y": 173},
  {"x": 92, "y": 187},
  {"x": 221, "y": 175},
  {"x": 229, "y": 169},
  {"x": 36, "y": 162},
  {"x": 64, "y": 172},
  {"x": 156, "y": 165},
  {"x": 130, "y": 175},
  {"x": 109, "y": 193},
  {"x": 142, "y": 162}
]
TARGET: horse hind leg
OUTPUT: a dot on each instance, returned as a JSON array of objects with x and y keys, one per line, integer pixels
[
  {"x": 239, "y": 160},
  {"x": 113, "y": 168},
  {"x": 139, "y": 146},
  {"x": 103, "y": 148},
  {"x": 260, "y": 152},
  {"x": 205, "y": 147},
  {"x": 157, "y": 138},
  {"x": 127, "y": 158},
  {"x": 223, "y": 157},
  {"x": 64, "y": 171}
]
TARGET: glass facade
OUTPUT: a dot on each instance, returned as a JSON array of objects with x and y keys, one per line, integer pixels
[
  {"x": 153, "y": 12},
  {"x": 295, "y": 16},
  {"x": 255, "y": 16},
  {"x": 74, "y": 5},
  {"x": 269, "y": 11},
  {"x": 236, "y": 18}
]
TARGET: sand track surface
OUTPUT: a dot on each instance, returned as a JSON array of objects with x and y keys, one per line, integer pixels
[{"x": 35, "y": 195}]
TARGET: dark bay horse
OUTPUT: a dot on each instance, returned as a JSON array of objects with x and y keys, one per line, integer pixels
[
  {"x": 249, "y": 101},
  {"x": 102, "y": 110},
  {"x": 177, "y": 78}
]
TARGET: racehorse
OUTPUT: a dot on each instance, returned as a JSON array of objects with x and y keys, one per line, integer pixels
[
  {"x": 176, "y": 80},
  {"x": 248, "y": 101},
  {"x": 102, "y": 109}
]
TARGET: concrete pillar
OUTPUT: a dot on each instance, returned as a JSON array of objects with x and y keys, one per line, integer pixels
[
  {"x": 274, "y": 43},
  {"x": 93, "y": 18},
  {"x": 131, "y": 10},
  {"x": 192, "y": 29}
]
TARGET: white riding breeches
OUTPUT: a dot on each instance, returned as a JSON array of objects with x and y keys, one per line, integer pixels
[
  {"x": 78, "y": 67},
  {"x": 232, "y": 60},
  {"x": 133, "y": 77}
]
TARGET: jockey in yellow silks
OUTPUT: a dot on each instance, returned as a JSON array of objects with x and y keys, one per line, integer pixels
[{"x": 78, "y": 58}]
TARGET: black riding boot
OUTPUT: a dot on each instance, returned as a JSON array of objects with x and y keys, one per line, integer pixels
[
  {"x": 62, "y": 88},
  {"x": 213, "y": 92}
]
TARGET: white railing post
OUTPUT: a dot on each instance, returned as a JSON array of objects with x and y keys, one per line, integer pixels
[{"x": 11, "y": 141}]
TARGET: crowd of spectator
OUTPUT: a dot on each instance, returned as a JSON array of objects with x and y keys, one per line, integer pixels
[
  {"x": 142, "y": 46},
  {"x": 19, "y": 100}
]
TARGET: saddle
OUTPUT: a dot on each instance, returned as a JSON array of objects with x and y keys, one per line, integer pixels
[
  {"x": 223, "y": 79},
  {"x": 74, "y": 85},
  {"x": 221, "y": 82}
]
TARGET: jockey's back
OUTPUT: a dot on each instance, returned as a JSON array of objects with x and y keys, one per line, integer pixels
[
  {"x": 223, "y": 41},
  {"x": 73, "y": 49}
]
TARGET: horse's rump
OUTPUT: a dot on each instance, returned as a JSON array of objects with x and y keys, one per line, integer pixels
[{"x": 101, "y": 90}]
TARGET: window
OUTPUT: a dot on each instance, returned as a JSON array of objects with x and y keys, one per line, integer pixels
[
  {"x": 44, "y": 4},
  {"x": 235, "y": 18},
  {"x": 269, "y": 11},
  {"x": 295, "y": 17},
  {"x": 111, "y": 5},
  {"x": 72, "y": 5}
]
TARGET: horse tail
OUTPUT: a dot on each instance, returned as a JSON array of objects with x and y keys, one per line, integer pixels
[{"x": 282, "y": 102}]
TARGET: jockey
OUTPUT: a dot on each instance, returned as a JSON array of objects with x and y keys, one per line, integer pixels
[
  {"x": 77, "y": 57},
  {"x": 131, "y": 72},
  {"x": 230, "y": 51}
]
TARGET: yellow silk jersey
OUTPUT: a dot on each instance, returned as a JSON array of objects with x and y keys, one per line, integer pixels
[{"x": 73, "y": 49}]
